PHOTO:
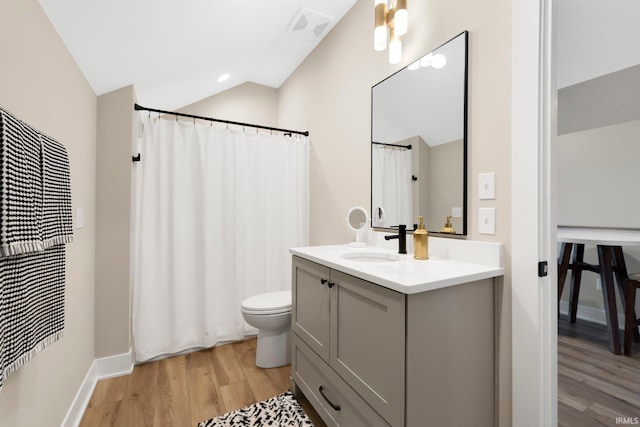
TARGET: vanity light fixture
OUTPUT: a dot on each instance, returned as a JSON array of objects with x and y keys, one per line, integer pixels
[{"x": 391, "y": 21}]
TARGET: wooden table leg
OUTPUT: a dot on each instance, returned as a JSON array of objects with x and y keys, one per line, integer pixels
[
  {"x": 576, "y": 277},
  {"x": 609, "y": 296},
  {"x": 620, "y": 270},
  {"x": 563, "y": 267}
]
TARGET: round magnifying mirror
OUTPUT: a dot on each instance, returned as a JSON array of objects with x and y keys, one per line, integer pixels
[{"x": 357, "y": 221}]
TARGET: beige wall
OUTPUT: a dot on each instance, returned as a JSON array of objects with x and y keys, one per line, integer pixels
[
  {"x": 420, "y": 153},
  {"x": 446, "y": 175},
  {"x": 113, "y": 221},
  {"x": 246, "y": 103},
  {"x": 439, "y": 188},
  {"x": 41, "y": 84},
  {"x": 598, "y": 177},
  {"x": 329, "y": 94},
  {"x": 597, "y": 172}
]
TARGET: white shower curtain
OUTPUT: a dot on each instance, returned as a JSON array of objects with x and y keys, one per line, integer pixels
[
  {"x": 216, "y": 212},
  {"x": 391, "y": 190}
]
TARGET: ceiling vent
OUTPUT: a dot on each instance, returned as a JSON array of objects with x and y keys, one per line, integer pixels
[{"x": 309, "y": 24}]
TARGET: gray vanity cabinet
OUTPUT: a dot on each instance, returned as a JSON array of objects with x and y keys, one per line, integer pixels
[
  {"x": 365, "y": 355},
  {"x": 357, "y": 331}
]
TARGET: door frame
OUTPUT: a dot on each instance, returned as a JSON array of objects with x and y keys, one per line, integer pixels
[{"x": 533, "y": 211}]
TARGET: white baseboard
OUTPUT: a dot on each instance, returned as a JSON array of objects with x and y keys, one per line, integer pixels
[
  {"x": 591, "y": 314},
  {"x": 105, "y": 367}
]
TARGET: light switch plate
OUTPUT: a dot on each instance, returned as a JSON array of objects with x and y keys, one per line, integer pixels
[
  {"x": 487, "y": 221},
  {"x": 487, "y": 186},
  {"x": 456, "y": 212}
]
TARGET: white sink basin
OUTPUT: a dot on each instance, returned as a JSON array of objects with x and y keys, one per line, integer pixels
[{"x": 370, "y": 256}]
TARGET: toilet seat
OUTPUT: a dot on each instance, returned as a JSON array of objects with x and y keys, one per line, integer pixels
[{"x": 268, "y": 303}]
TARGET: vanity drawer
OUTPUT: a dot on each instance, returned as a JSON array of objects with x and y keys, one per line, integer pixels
[{"x": 333, "y": 399}]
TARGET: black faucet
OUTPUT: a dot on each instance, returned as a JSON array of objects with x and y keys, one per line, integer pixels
[{"x": 402, "y": 238}]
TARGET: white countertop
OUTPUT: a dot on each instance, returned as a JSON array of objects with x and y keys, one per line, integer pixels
[
  {"x": 599, "y": 236},
  {"x": 406, "y": 275}
]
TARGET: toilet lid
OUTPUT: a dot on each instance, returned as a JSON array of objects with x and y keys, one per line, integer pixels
[{"x": 270, "y": 301}]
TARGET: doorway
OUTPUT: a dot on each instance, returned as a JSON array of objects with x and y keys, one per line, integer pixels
[{"x": 598, "y": 125}]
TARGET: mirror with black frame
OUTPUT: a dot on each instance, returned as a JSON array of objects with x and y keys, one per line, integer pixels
[{"x": 419, "y": 142}]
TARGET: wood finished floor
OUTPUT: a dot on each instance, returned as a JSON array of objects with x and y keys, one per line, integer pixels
[
  {"x": 187, "y": 389},
  {"x": 595, "y": 386}
]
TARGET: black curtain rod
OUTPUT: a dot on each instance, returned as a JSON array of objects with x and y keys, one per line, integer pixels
[
  {"x": 174, "y": 113},
  {"x": 408, "y": 147}
]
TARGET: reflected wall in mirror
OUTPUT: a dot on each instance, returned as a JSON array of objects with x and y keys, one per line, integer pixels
[{"x": 419, "y": 142}]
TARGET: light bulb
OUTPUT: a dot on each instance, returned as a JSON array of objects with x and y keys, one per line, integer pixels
[
  {"x": 380, "y": 38},
  {"x": 395, "y": 51},
  {"x": 380, "y": 26},
  {"x": 401, "y": 17},
  {"x": 401, "y": 21}
]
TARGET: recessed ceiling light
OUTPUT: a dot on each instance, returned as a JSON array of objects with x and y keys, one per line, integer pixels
[{"x": 223, "y": 77}]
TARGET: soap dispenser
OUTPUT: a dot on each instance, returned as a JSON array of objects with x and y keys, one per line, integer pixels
[
  {"x": 420, "y": 241},
  {"x": 448, "y": 228}
]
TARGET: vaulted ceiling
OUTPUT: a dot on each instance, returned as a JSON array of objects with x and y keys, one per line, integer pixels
[{"x": 174, "y": 52}]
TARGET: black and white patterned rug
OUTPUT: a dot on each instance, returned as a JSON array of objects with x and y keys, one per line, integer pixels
[{"x": 281, "y": 410}]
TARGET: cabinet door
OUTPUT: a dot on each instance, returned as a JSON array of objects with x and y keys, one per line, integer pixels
[
  {"x": 368, "y": 342},
  {"x": 311, "y": 305}
]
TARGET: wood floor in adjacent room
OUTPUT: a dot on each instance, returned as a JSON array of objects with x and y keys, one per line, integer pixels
[
  {"x": 595, "y": 386},
  {"x": 185, "y": 390}
]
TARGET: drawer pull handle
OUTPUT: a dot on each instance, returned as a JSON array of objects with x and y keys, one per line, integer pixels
[
  {"x": 323, "y": 281},
  {"x": 333, "y": 405},
  {"x": 331, "y": 285}
]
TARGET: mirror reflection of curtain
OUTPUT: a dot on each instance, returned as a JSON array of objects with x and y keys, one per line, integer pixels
[{"x": 391, "y": 186}]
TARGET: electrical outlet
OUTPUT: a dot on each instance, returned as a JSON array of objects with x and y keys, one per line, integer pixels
[
  {"x": 598, "y": 284},
  {"x": 456, "y": 212}
]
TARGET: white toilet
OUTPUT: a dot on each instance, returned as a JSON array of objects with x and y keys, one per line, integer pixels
[{"x": 270, "y": 313}]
